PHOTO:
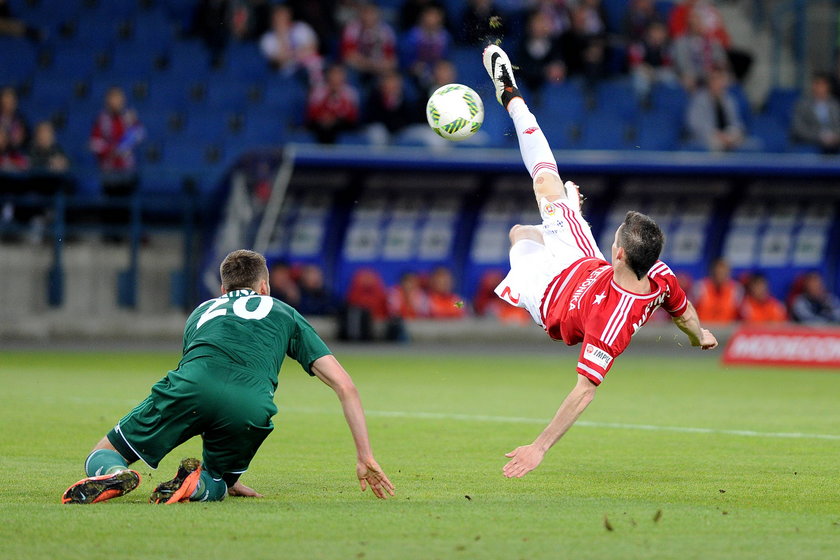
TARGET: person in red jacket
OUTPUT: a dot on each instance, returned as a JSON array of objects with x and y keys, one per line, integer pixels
[
  {"x": 443, "y": 302},
  {"x": 115, "y": 135},
  {"x": 333, "y": 106}
]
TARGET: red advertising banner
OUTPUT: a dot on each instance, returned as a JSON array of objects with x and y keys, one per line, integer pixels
[{"x": 784, "y": 346}]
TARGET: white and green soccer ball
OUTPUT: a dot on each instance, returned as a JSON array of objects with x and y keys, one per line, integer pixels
[{"x": 455, "y": 112}]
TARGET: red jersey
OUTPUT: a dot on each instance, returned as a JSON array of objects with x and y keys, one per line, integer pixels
[{"x": 584, "y": 305}]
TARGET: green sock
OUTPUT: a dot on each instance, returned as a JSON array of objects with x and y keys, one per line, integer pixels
[
  {"x": 104, "y": 461},
  {"x": 209, "y": 489}
]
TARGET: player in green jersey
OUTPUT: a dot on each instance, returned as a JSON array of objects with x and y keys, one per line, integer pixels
[{"x": 223, "y": 389}]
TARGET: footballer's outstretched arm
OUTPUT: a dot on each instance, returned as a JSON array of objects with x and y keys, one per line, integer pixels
[
  {"x": 689, "y": 323},
  {"x": 328, "y": 370},
  {"x": 526, "y": 458}
]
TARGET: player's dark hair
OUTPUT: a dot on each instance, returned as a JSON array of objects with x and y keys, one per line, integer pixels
[
  {"x": 642, "y": 241},
  {"x": 242, "y": 269}
]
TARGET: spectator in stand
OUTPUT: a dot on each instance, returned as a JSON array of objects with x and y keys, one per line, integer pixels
[
  {"x": 443, "y": 302},
  {"x": 45, "y": 155},
  {"x": 11, "y": 159},
  {"x": 584, "y": 44},
  {"x": 481, "y": 23},
  {"x": 487, "y": 304},
  {"x": 558, "y": 13},
  {"x": 650, "y": 60},
  {"x": 390, "y": 112},
  {"x": 426, "y": 44},
  {"x": 13, "y": 27},
  {"x": 12, "y": 121},
  {"x": 368, "y": 44},
  {"x": 713, "y": 119},
  {"x": 315, "y": 298},
  {"x": 333, "y": 106},
  {"x": 540, "y": 57},
  {"x": 115, "y": 135},
  {"x": 714, "y": 27},
  {"x": 321, "y": 16},
  {"x": 759, "y": 305},
  {"x": 408, "y": 300},
  {"x": 282, "y": 283},
  {"x": 292, "y": 45},
  {"x": 411, "y": 11},
  {"x": 816, "y": 119},
  {"x": 697, "y": 53},
  {"x": 443, "y": 73},
  {"x": 367, "y": 307},
  {"x": 718, "y": 296},
  {"x": 815, "y": 305},
  {"x": 641, "y": 14},
  {"x": 218, "y": 21}
]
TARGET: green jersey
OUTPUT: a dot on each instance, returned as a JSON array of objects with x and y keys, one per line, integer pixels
[{"x": 243, "y": 328}]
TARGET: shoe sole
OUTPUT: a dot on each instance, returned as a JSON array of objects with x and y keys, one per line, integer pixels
[
  {"x": 181, "y": 487},
  {"x": 96, "y": 489}
]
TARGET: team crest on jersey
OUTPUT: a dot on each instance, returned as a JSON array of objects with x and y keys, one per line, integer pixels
[{"x": 550, "y": 209}]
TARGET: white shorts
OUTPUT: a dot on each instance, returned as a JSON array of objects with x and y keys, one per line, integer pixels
[{"x": 533, "y": 265}]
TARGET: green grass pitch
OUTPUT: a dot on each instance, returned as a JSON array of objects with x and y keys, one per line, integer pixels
[{"x": 617, "y": 486}]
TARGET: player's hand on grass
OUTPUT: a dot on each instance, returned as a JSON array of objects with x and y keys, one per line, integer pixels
[
  {"x": 523, "y": 460},
  {"x": 370, "y": 474},
  {"x": 707, "y": 340},
  {"x": 239, "y": 489}
]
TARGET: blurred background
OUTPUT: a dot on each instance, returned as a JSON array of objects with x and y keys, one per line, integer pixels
[{"x": 141, "y": 140}]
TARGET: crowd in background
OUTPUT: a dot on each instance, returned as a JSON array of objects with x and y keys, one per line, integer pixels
[
  {"x": 371, "y": 75},
  {"x": 719, "y": 298}
]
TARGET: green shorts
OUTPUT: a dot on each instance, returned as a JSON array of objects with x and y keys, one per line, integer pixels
[{"x": 229, "y": 407}]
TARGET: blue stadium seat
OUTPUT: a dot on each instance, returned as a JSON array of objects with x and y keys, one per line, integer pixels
[
  {"x": 72, "y": 63},
  {"x": 563, "y": 98},
  {"x": 286, "y": 97},
  {"x": 110, "y": 10},
  {"x": 669, "y": 99},
  {"x": 780, "y": 103},
  {"x": 47, "y": 95},
  {"x": 152, "y": 30},
  {"x": 744, "y": 107},
  {"x": 604, "y": 131},
  {"x": 773, "y": 135},
  {"x": 17, "y": 60},
  {"x": 47, "y": 14},
  {"x": 189, "y": 61},
  {"x": 94, "y": 33},
  {"x": 658, "y": 131},
  {"x": 129, "y": 64},
  {"x": 263, "y": 127},
  {"x": 181, "y": 12},
  {"x": 228, "y": 95},
  {"x": 166, "y": 92},
  {"x": 617, "y": 97},
  {"x": 245, "y": 62},
  {"x": 561, "y": 129},
  {"x": 205, "y": 125}
]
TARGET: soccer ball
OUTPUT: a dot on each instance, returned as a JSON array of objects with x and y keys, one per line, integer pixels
[{"x": 455, "y": 112}]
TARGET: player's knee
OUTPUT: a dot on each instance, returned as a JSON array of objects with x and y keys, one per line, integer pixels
[
  {"x": 520, "y": 232},
  {"x": 548, "y": 185}
]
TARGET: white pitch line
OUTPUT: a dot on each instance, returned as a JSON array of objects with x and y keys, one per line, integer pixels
[{"x": 582, "y": 423}]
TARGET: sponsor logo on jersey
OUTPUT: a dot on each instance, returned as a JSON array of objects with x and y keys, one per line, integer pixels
[
  {"x": 531, "y": 130},
  {"x": 597, "y": 356}
]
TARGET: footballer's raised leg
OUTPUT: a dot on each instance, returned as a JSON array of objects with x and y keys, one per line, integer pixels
[{"x": 536, "y": 153}]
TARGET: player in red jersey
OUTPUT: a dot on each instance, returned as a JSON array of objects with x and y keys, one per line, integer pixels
[{"x": 560, "y": 276}]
